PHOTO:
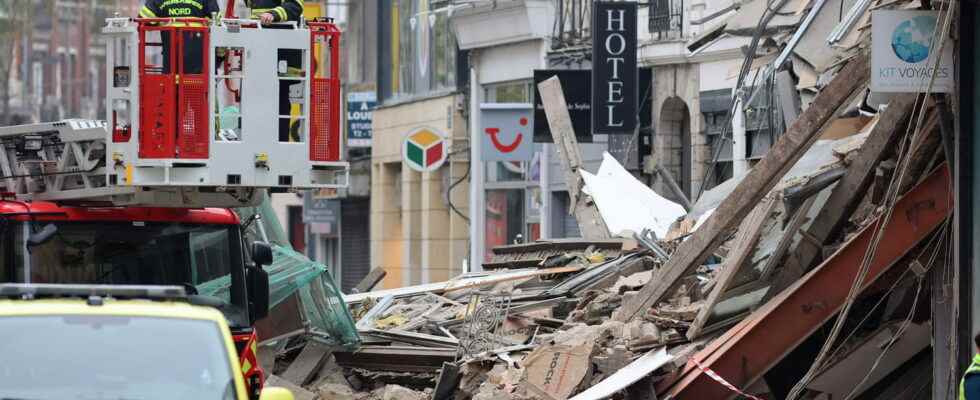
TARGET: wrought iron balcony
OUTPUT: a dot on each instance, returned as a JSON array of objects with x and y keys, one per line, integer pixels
[
  {"x": 572, "y": 28},
  {"x": 666, "y": 19}
]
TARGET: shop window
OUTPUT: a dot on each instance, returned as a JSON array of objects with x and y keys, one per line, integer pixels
[
  {"x": 228, "y": 77},
  {"x": 509, "y": 92},
  {"x": 506, "y": 171},
  {"x": 417, "y": 50},
  {"x": 504, "y": 218},
  {"x": 292, "y": 95}
]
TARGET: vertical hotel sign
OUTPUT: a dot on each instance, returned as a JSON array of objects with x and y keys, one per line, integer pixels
[{"x": 614, "y": 73}]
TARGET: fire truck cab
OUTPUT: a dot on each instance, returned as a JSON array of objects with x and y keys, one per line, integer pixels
[{"x": 202, "y": 116}]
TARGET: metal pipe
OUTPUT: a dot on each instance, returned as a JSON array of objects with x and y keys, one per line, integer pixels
[{"x": 739, "y": 163}]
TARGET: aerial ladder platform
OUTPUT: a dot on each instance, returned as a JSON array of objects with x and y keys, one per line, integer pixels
[{"x": 200, "y": 113}]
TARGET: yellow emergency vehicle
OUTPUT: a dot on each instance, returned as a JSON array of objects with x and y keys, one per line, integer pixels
[{"x": 104, "y": 342}]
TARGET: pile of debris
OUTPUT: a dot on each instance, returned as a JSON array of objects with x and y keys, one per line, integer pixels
[
  {"x": 575, "y": 319},
  {"x": 810, "y": 276}
]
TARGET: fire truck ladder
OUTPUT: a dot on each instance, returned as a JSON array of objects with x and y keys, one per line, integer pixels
[{"x": 67, "y": 161}]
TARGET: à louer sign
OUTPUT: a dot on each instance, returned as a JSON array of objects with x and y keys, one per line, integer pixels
[{"x": 614, "y": 73}]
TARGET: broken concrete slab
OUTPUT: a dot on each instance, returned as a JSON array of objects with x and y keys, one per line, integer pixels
[{"x": 307, "y": 364}]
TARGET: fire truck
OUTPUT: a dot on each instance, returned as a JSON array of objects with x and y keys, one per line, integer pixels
[{"x": 195, "y": 126}]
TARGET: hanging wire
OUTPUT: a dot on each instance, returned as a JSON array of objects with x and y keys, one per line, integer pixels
[
  {"x": 767, "y": 15},
  {"x": 917, "y": 139},
  {"x": 908, "y": 319}
]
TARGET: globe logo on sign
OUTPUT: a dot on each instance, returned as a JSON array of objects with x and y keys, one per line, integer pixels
[{"x": 911, "y": 38}]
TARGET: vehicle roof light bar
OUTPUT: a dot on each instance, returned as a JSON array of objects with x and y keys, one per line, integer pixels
[{"x": 37, "y": 290}]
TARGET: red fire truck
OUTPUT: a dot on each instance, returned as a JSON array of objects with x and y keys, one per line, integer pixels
[{"x": 192, "y": 131}]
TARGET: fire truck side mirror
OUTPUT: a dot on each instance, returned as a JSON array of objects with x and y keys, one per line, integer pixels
[
  {"x": 258, "y": 281},
  {"x": 261, "y": 253},
  {"x": 258, "y": 293}
]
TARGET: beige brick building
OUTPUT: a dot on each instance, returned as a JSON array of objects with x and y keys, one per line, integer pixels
[{"x": 415, "y": 235}]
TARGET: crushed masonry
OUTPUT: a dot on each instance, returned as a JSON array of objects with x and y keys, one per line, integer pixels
[{"x": 577, "y": 318}]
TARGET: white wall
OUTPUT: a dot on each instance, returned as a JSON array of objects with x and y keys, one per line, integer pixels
[
  {"x": 510, "y": 62},
  {"x": 716, "y": 74}
]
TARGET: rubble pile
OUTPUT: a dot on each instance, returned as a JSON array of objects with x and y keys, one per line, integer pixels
[
  {"x": 567, "y": 318},
  {"x": 783, "y": 281}
]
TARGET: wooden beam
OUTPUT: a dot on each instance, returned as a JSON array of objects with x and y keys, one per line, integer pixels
[
  {"x": 742, "y": 248},
  {"x": 396, "y": 358},
  {"x": 371, "y": 280},
  {"x": 789, "y": 98},
  {"x": 847, "y": 195},
  {"x": 794, "y": 225},
  {"x": 590, "y": 222},
  {"x": 791, "y": 145},
  {"x": 766, "y": 336},
  {"x": 307, "y": 363}
]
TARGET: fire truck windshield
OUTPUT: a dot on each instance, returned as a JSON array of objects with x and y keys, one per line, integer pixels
[
  {"x": 113, "y": 357},
  {"x": 205, "y": 259}
]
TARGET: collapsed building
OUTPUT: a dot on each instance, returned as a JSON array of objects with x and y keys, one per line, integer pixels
[{"x": 826, "y": 271}]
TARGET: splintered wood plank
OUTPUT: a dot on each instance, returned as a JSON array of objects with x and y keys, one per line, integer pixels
[
  {"x": 371, "y": 280},
  {"x": 744, "y": 244},
  {"x": 847, "y": 195},
  {"x": 760, "y": 180},
  {"x": 590, "y": 222}
]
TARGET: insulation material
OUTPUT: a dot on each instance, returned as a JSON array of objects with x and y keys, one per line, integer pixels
[{"x": 626, "y": 204}]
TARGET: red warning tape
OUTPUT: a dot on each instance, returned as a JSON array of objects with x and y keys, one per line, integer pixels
[{"x": 717, "y": 378}]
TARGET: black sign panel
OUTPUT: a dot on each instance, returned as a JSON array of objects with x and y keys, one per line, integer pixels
[
  {"x": 578, "y": 94},
  {"x": 624, "y": 147},
  {"x": 614, "y": 74}
]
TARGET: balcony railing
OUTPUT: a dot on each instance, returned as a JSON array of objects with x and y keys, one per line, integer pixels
[
  {"x": 572, "y": 25},
  {"x": 665, "y": 21}
]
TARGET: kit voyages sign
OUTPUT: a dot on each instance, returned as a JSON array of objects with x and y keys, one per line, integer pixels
[
  {"x": 906, "y": 56},
  {"x": 614, "y": 73}
]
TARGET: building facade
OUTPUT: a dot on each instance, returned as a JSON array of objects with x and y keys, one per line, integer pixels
[
  {"x": 419, "y": 211},
  {"x": 53, "y": 62}
]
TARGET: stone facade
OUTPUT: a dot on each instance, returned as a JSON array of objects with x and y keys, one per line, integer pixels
[
  {"x": 679, "y": 142},
  {"x": 415, "y": 236}
]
